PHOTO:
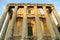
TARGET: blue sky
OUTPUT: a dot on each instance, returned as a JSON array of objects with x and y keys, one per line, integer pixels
[{"x": 55, "y": 2}]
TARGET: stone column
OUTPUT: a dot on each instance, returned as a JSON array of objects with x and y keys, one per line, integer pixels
[
  {"x": 53, "y": 35},
  {"x": 55, "y": 27},
  {"x": 24, "y": 25},
  {"x": 43, "y": 29},
  {"x": 56, "y": 15},
  {"x": 5, "y": 27},
  {"x": 8, "y": 35},
  {"x": 3, "y": 17},
  {"x": 38, "y": 25}
]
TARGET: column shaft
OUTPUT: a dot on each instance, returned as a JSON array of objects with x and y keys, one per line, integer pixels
[
  {"x": 11, "y": 24},
  {"x": 38, "y": 25},
  {"x": 49, "y": 23},
  {"x": 5, "y": 27},
  {"x": 3, "y": 17},
  {"x": 54, "y": 26},
  {"x": 42, "y": 26},
  {"x": 56, "y": 15},
  {"x": 24, "y": 25}
]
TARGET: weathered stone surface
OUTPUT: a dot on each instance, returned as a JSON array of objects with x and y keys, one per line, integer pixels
[{"x": 27, "y": 18}]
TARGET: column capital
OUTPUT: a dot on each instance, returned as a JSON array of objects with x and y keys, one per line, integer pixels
[
  {"x": 16, "y": 7},
  {"x": 25, "y": 6},
  {"x": 35, "y": 6},
  {"x": 52, "y": 8}
]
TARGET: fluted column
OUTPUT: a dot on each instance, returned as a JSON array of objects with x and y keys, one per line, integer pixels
[
  {"x": 38, "y": 25},
  {"x": 43, "y": 29},
  {"x": 49, "y": 23},
  {"x": 24, "y": 25},
  {"x": 5, "y": 27},
  {"x": 3, "y": 17},
  {"x": 11, "y": 24},
  {"x": 56, "y": 15},
  {"x": 55, "y": 27}
]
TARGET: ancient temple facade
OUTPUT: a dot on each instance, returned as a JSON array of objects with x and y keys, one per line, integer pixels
[{"x": 28, "y": 22}]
